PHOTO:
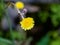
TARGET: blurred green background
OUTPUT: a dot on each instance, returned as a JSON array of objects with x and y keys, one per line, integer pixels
[{"x": 45, "y": 32}]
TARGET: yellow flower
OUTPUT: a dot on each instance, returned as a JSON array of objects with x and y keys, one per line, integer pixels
[
  {"x": 19, "y": 5},
  {"x": 27, "y": 23}
]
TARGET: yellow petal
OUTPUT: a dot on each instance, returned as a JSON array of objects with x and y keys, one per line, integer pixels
[
  {"x": 27, "y": 23},
  {"x": 19, "y": 5}
]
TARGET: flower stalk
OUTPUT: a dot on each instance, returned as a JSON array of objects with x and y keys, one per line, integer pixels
[
  {"x": 10, "y": 27},
  {"x": 21, "y": 14}
]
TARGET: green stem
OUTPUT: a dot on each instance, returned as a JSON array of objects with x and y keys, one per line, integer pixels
[
  {"x": 9, "y": 23},
  {"x": 10, "y": 27}
]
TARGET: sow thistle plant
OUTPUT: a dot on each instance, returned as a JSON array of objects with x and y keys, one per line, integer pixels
[{"x": 26, "y": 23}]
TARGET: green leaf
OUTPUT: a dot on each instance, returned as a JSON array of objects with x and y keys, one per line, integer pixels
[
  {"x": 55, "y": 8},
  {"x": 4, "y": 41},
  {"x": 55, "y": 34},
  {"x": 55, "y": 16},
  {"x": 54, "y": 20},
  {"x": 45, "y": 40},
  {"x": 56, "y": 42},
  {"x": 19, "y": 35},
  {"x": 2, "y": 7}
]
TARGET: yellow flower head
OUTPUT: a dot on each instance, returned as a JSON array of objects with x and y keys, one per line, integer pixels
[
  {"x": 27, "y": 23},
  {"x": 19, "y": 5}
]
